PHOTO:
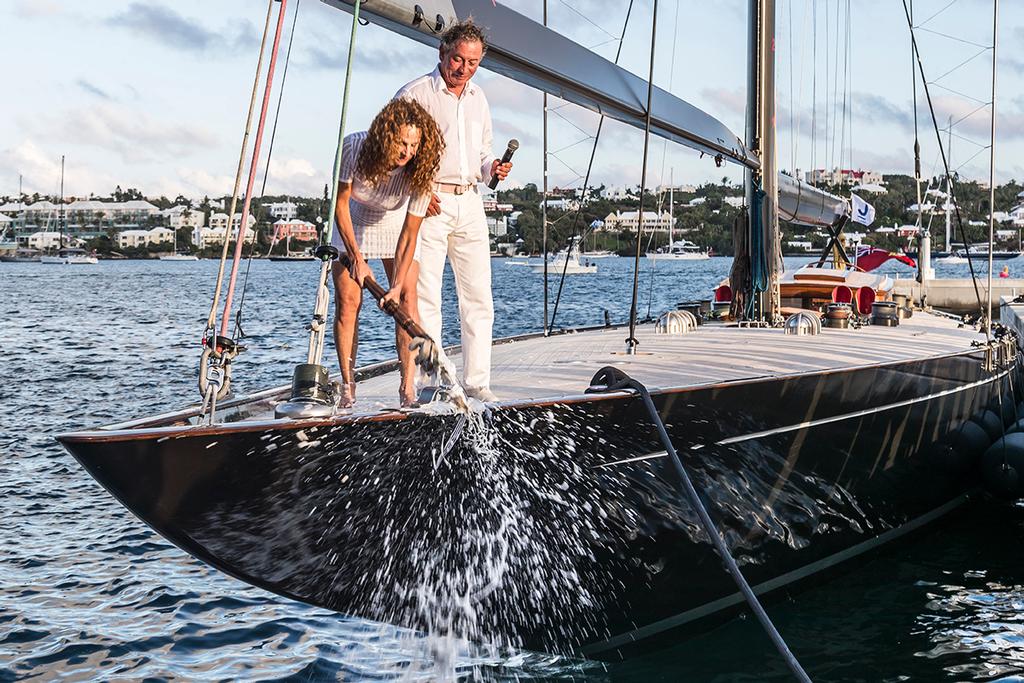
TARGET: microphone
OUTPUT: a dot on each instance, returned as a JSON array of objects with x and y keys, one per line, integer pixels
[{"x": 513, "y": 145}]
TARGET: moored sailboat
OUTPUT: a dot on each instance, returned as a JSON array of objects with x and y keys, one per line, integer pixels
[{"x": 811, "y": 448}]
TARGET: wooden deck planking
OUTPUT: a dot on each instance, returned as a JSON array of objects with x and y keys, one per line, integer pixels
[{"x": 562, "y": 365}]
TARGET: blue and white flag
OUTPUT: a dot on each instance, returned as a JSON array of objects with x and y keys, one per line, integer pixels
[{"x": 863, "y": 212}]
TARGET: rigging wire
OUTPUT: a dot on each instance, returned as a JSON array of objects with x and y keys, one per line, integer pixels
[
  {"x": 243, "y": 222},
  {"x": 318, "y": 326},
  {"x": 270, "y": 152},
  {"x": 211, "y": 321},
  {"x": 814, "y": 94},
  {"x": 664, "y": 153},
  {"x": 586, "y": 181},
  {"x": 631, "y": 341},
  {"x": 945, "y": 163}
]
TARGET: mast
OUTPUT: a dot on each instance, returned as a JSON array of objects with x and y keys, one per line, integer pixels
[
  {"x": 544, "y": 198},
  {"x": 671, "y": 188},
  {"x": 61, "y": 244},
  {"x": 769, "y": 161},
  {"x": 762, "y": 184},
  {"x": 949, "y": 148},
  {"x": 992, "y": 167}
]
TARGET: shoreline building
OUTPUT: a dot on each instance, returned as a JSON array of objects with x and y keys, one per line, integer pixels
[
  {"x": 134, "y": 239},
  {"x": 842, "y": 176},
  {"x": 284, "y": 210},
  {"x": 627, "y": 220},
  {"x": 302, "y": 231}
]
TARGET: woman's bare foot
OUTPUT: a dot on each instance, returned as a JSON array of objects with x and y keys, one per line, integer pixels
[
  {"x": 408, "y": 399},
  {"x": 348, "y": 395}
]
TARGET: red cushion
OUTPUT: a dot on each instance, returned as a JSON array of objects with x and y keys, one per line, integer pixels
[
  {"x": 842, "y": 295},
  {"x": 865, "y": 297},
  {"x": 723, "y": 293}
]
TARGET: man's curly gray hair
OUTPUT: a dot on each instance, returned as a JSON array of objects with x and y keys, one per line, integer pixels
[{"x": 463, "y": 31}]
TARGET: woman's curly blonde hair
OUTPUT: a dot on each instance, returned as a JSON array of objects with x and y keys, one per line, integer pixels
[{"x": 374, "y": 161}]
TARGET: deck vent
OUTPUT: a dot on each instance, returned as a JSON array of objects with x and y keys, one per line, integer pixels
[
  {"x": 803, "y": 322},
  {"x": 676, "y": 322}
]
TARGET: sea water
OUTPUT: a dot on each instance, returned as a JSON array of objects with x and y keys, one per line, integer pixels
[{"x": 88, "y": 592}]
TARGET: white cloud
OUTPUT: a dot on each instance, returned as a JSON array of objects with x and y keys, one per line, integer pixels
[
  {"x": 132, "y": 134},
  {"x": 41, "y": 172}
]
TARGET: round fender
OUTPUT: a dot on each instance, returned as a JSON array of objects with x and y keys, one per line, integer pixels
[
  {"x": 991, "y": 423},
  {"x": 970, "y": 441},
  {"x": 1002, "y": 465},
  {"x": 1006, "y": 408}
]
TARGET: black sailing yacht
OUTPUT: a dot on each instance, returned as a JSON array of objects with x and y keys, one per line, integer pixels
[{"x": 551, "y": 521}]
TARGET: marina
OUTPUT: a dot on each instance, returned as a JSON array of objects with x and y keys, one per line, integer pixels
[
  {"x": 662, "y": 482},
  {"x": 945, "y": 594}
]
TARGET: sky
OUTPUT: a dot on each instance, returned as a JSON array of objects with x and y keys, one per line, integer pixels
[{"x": 153, "y": 95}]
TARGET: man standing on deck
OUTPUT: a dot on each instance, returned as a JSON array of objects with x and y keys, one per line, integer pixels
[{"x": 456, "y": 226}]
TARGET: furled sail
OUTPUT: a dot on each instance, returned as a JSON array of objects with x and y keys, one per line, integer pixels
[
  {"x": 532, "y": 54},
  {"x": 800, "y": 202}
]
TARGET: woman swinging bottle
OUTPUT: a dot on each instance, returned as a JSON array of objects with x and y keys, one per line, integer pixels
[{"x": 384, "y": 190}]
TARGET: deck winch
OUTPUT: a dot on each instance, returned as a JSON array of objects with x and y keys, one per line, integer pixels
[
  {"x": 803, "y": 323},
  {"x": 676, "y": 322}
]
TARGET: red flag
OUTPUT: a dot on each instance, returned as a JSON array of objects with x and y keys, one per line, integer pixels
[{"x": 869, "y": 258}]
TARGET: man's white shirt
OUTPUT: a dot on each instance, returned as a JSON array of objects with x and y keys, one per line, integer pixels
[{"x": 465, "y": 124}]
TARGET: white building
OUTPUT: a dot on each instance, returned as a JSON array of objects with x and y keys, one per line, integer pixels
[
  {"x": 220, "y": 220},
  {"x": 843, "y": 176},
  {"x": 179, "y": 216},
  {"x": 664, "y": 189},
  {"x": 1017, "y": 216},
  {"x": 735, "y": 202},
  {"x": 497, "y": 226},
  {"x": 284, "y": 210},
  {"x": 208, "y": 237},
  {"x": 563, "y": 204},
  {"x": 627, "y": 220},
  {"x": 44, "y": 240},
  {"x": 132, "y": 239},
  {"x": 160, "y": 234},
  {"x": 616, "y": 194}
]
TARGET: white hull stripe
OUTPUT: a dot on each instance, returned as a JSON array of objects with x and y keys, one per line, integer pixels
[{"x": 814, "y": 423}]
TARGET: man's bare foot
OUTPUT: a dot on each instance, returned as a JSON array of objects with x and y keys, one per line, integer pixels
[{"x": 408, "y": 400}]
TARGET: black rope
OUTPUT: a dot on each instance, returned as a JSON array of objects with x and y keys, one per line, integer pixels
[
  {"x": 945, "y": 162},
  {"x": 631, "y": 341},
  {"x": 239, "y": 334},
  {"x": 613, "y": 379},
  {"x": 586, "y": 182}
]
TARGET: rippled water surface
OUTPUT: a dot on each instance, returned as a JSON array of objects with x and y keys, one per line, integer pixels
[{"x": 88, "y": 592}]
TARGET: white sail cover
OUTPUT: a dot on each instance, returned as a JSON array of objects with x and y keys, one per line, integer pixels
[{"x": 802, "y": 203}]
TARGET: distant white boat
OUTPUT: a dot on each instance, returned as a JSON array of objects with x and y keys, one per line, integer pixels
[
  {"x": 175, "y": 256},
  {"x": 601, "y": 253},
  {"x": 74, "y": 257},
  {"x": 952, "y": 259},
  {"x": 574, "y": 266},
  {"x": 21, "y": 255},
  {"x": 680, "y": 250},
  {"x": 518, "y": 261}
]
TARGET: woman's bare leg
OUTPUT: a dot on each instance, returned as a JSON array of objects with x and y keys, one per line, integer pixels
[
  {"x": 407, "y": 388},
  {"x": 348, "y": 298}
]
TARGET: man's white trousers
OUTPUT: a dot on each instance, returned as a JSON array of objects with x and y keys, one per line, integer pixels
[{"x": 459, "y": 233}]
